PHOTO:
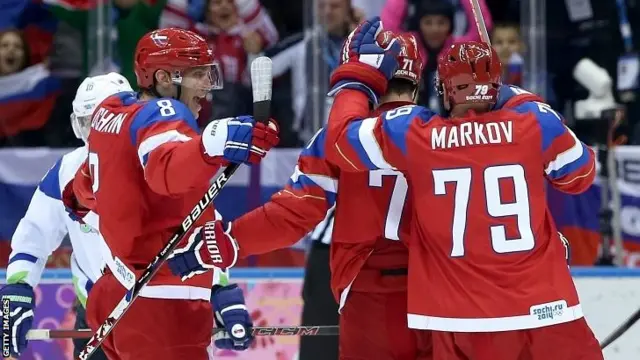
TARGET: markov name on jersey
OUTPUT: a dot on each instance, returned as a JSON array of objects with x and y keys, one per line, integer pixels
[{"x": 472, "y": 133}]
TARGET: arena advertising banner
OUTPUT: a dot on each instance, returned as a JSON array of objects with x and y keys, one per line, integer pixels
[{"x": 273, "y": 298}]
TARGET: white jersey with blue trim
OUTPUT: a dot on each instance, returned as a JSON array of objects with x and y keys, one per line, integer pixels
[{"x": 45, "y": 225}]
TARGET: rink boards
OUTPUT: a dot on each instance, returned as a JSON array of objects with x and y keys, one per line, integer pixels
[{"x": 608, "y": 297}]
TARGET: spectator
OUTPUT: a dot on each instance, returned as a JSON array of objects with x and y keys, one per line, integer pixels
[
  {"x": 67, "y": 63},
  {"x": 131, "y": 19},
  {"x": 309, "y": 57},
  {"x": 14, "y": 52},
  {"x": 505, "y": 38},
  {"x": 433, "y": 26},
  {"x": 27, "y": 93},
  {"x": 237, "y": 31},
  {"x": 395, "y": 13},
  {"x": 92, "y": 40},
  {"x": 34, "y": 21},
  {"x": 507, "y": 41},
  {"x": 432, "y": 22}
]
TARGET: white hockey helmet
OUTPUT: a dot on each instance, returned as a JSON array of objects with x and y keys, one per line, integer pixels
[{"x": 90, "y": 94}]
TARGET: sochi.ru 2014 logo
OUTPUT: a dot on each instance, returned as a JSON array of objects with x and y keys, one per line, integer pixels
[{"x": 549, "y": 311}]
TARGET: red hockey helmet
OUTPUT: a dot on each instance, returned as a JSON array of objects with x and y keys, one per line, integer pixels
[
  {"x": 175, "y": 50},
  {"x": 469, "y": 72},
  {"x": 409, "y": 60},
  {"x": 410, "y": 63}
]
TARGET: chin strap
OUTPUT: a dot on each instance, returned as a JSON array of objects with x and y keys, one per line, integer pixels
[
  {"x": 179, "y": 92},
  {"x": 153, "y": 90}
]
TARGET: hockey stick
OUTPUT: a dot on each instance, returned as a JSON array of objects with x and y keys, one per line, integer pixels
[
  {"x": 614, "y": 232},
  {"x": 609, "y": 214},
  {"x": 621, "y": 329},
  {"x": 261, "y": 83},
  {"x": 482, "y": 27},
  {"x": 46, "y": 334}
]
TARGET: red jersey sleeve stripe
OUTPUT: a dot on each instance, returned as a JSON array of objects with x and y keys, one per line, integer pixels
[
  {"x": 574, "y": 156},
  {"x": 580, "y": 179}
]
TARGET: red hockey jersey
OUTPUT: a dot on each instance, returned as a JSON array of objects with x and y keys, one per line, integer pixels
[
  {"x": 148, "y": 171},
  {"x": 484, "y": 254},
  {"x": 367, "y": 228}
]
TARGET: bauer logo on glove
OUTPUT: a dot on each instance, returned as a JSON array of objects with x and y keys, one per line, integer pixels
[{"x": 207, "y": 248}]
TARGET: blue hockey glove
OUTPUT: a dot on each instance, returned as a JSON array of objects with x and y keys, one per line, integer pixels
[
  {"x": 22, "y": 301},
  {"x": 239, "y": 140},
  {"x": 232, "y": 315},
  {"x": 365, "y": 64}
]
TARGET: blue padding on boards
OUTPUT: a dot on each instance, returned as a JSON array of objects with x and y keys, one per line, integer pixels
[{"x": 298, "y": 273}]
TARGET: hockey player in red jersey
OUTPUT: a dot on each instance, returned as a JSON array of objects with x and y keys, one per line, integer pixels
[
  {"x": 487, "y": 270},
  {"x": 368, "y": 256},
  {"x": 149, "y": 165}
]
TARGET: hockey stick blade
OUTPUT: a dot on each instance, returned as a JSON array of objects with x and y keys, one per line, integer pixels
[
  {"x": 262, "y": 86},
  {"x": 621, "y": 329},
  {"x": 46, "y": 334},
  {"x": 261, "y": 81}
]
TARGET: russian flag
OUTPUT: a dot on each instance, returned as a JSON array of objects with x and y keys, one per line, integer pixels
[
  {"x": 20, "y": 173},
  {"x": 26, "y": 99},
  {"x": 577, "y": 218},
  {"x": 577, "y": 215},
  {"x": 73, "y": 4},
  {"x": 12, "y": 12}
]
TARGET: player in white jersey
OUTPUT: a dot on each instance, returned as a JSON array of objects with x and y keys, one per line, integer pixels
[{"x": 46, "y": 223}]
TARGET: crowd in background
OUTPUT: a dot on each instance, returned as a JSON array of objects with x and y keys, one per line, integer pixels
[{"x": 48, "y": 46}]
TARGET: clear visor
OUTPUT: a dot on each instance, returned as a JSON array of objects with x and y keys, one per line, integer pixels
[
  {"x": 202, "y": 78},
  {"x": 81, "y": 126}
]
